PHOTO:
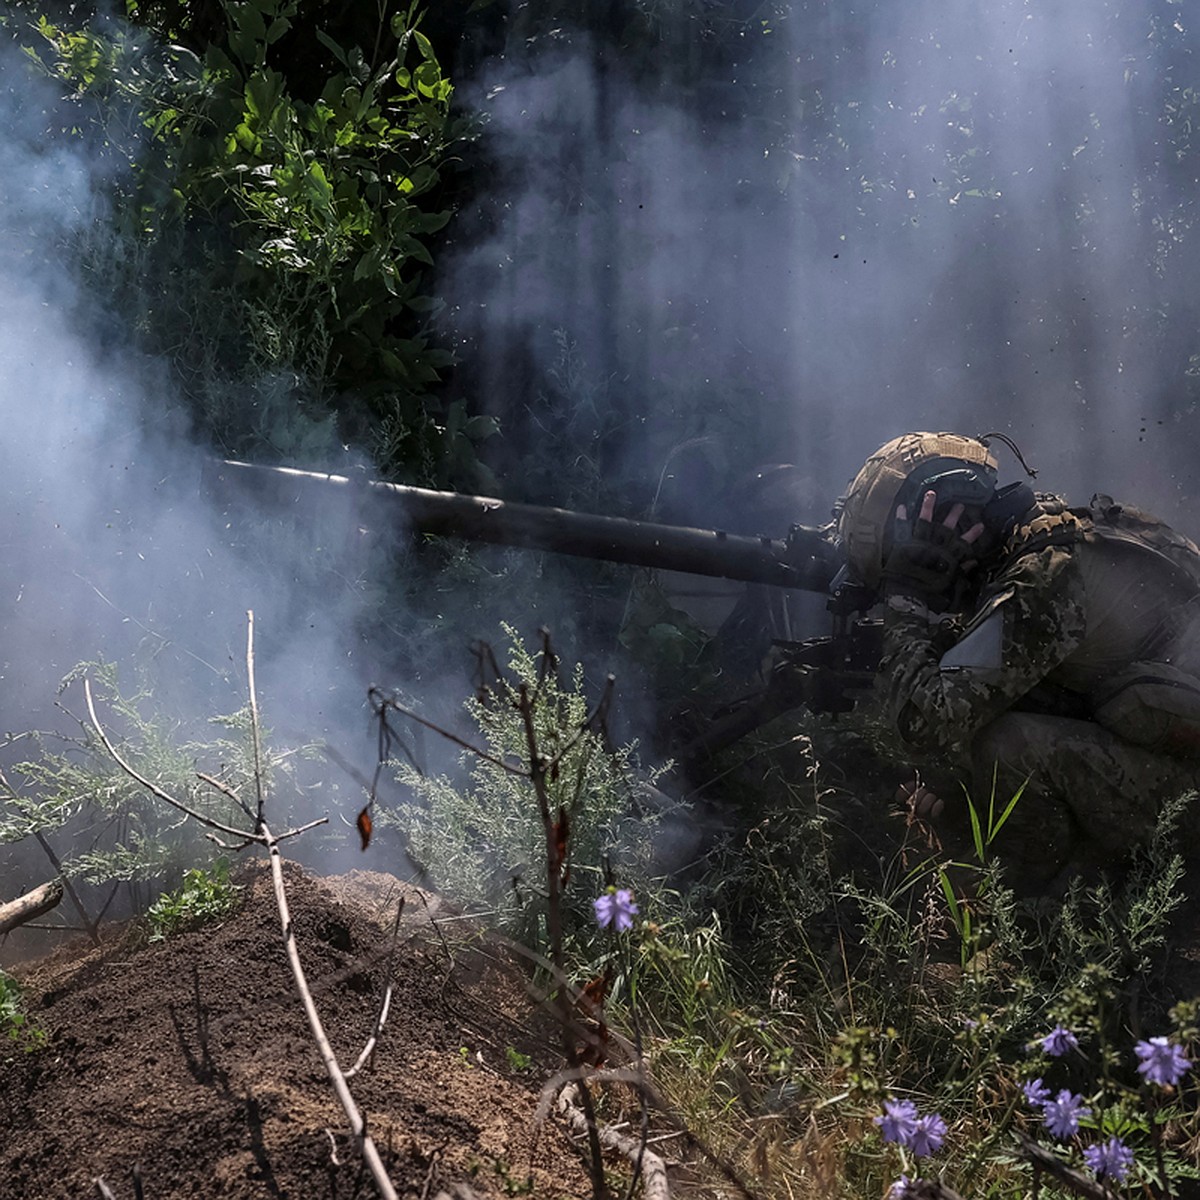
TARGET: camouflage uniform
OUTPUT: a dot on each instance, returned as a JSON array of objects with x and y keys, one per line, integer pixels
[{"x": 1013, "y": 691}]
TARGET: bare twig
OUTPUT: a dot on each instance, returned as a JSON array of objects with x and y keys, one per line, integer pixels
[
  {"x": 93, "y": 926},
  {"x": 382, "y": 1015},
  {"x": 1077, "y": 1182},
  {"x": 333, "y": 1158},
  {"x": 434, "y": 1157},
  {"x": 102, "y": 1189},
  {"x": 263, "y": 836},
  {"x": 358, "y": 1125},
  {"x": 653, "y": 1166},
  {"x": 383, "y": 702},
  {"x": 226, "y": 791},
  {"x": 291, "y": 833},
  {"x": 255, "y": 739},
  {"x": 151, "y": 787},
  {"x": 590, "y": 722},
  {"x": 560, "y": 1079}
]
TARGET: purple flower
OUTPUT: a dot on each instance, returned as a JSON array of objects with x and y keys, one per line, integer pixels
[
  {"x": 1163, "y": 1062},
  {"x": 1036, "y": 1093},
  {"x": 1058, "y": 1041},
  {"x": 1063, "y": 1114},
  {"x": 900, "y": 1189},
  {"x": 928, "y": 1135},
  {"x": 1109, "y": 1158},
  {"x": 615, "y": 908},
  {"x": 899, "y": 1121}
]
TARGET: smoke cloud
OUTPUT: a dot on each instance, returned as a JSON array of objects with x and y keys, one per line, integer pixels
[
  {"x": 114, "y": 547},
  {"x": 972, "y": 218}
]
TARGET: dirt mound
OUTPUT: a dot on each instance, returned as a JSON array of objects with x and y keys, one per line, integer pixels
[{"x": 192, "y": 1060}]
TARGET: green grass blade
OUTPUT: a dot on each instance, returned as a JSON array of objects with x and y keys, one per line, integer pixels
[{"x": 1008, "y": 809}]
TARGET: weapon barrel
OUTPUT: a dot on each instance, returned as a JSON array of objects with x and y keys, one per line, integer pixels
[{"x": 805, "y": 560}]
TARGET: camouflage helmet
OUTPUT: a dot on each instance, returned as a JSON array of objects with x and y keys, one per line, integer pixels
[{"x": 898, "y": 473}]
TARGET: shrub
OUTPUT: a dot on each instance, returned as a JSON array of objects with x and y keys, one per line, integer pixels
[
  {"x": 482, "y": 837},
  {"x": 204, "y": 896}
]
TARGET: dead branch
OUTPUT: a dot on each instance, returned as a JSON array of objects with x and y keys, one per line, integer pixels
[
  {"x": 382, "y": 1015},
  {"x": 225, "y": 790},
  {"x": 381, "y": 702},
  {"x": 1049, "y": 1162},
  {"x": 152, "y": 787},
  {"x": 558, "y": 1081},
  {"x": 92, "y": 927},
  {"x": 262, "y": 835},
  {"x": 31, "y": 905},
  {"x": 358, "y": 1125},
  {"x": 255, "y": 737},
  {"x": 693, "y": 1140},
  {"x": 333, "y": 1158},
  {"x": 654, "y": 1167}
]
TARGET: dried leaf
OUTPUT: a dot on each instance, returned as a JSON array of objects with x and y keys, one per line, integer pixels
[
  {"x": 365, "y": 826},
  {"x": 592, "y": 996}
]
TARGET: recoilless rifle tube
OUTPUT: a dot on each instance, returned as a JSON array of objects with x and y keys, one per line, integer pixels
[{"x": 805, "y": 559}]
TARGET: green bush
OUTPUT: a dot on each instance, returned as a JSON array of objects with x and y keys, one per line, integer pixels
[
  {"x": 482, "y": 836},
  {"x": 109, "y": 829},
  {"x": 204, "y": 896},
  {"x": 272, "y": 247}
]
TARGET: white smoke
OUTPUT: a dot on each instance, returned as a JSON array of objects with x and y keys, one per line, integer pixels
[
  {"x": 971, "y": 218},
  {"x": 113, "y": 548}
]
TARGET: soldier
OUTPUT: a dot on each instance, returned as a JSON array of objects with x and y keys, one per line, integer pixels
[{"x": 1031, "y": 641}]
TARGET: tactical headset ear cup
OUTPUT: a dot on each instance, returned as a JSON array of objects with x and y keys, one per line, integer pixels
[{"x": 1007, "y": 507}]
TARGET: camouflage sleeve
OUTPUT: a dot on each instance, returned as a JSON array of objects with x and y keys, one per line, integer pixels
[{"x": 939, "y": 692}]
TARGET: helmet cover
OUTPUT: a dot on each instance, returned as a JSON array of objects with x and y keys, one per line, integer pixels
[{"x": 898, "y": 473}]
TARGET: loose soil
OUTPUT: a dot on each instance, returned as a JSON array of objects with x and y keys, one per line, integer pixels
[{"x": 191, "y": 1059}]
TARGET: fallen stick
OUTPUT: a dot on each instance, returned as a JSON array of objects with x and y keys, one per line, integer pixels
[
  {"x": 261, "y": 835},
  {"x": 1045, "y": 1160},
  {"x": 654, "y": 1168},
  {"x": 31, "y": 905}
]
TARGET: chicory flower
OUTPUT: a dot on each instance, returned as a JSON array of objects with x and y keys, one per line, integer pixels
[
  {"x": 1063, "y": 1114},
  {"x": 1058, "y": 1041},
  {"x": 1112, "y": 1158},
  {"x": 927, "y": 1135},
  {"x": 898, "y": 1122},
  {"x": 615, "y": 909},
  {"x": 1162, "y": 1061}
]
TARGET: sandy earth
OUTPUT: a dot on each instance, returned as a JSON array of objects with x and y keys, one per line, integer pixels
[{"x": 191, "y": 1060}]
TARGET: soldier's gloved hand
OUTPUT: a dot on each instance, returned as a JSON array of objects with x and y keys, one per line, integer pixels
[
  {"x": 918, "y": 801},
  {"x": 927, "y": 560}
]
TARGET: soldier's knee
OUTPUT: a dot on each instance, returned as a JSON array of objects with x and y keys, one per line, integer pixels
[{"x": 1005, "y": 742}]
